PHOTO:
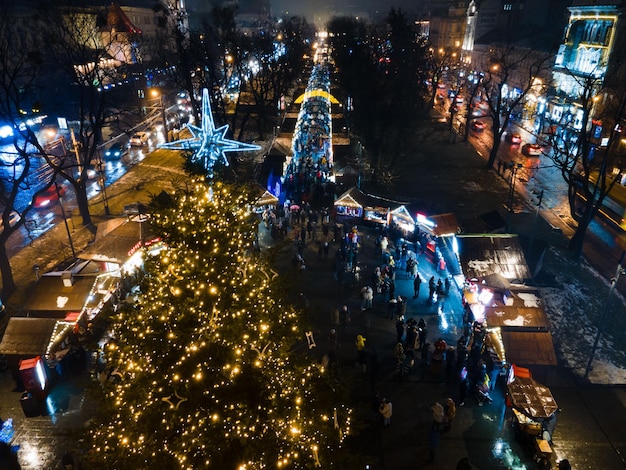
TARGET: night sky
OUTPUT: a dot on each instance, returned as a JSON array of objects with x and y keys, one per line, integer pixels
[{"x": 319, "y": 11}]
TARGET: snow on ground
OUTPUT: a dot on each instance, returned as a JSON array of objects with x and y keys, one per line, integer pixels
[{"x": 575, "y": 304}]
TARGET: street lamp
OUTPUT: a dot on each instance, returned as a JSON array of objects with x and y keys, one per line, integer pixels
[
  {"x": 158, "y": 95},
  {"x": 513, "y": 167},
  {"x": 607, "y": 306},
  {"x": 67, "y": 227}
]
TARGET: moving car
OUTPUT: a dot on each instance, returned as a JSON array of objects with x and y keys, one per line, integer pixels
[
  {"x": 139, "y": 139},
  {"x": 14, "y": 218},
  {"x": 513, "y": 138},
  {"x": 532, "y": 150},
  {"x": 478, "y": 125},
  {"x": 114, "y": 151},
  {"x": 48, "y": 197}
]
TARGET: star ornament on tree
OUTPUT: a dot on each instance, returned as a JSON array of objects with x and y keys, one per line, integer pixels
[{"x": 208, "y": 143}]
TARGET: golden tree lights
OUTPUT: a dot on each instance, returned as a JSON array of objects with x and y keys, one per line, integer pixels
[{"x": 209, "y": 376}]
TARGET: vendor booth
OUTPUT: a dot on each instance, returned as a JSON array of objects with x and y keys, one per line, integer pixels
[
  {"x": 347, "y": 206},
  {"x": 401, "y": 218},
  {"x": 265, "y": 201},
  {"x": 356, "y": 204},
  {"x": 442, "y": 225},
  {"x": 534, "y": 408}
]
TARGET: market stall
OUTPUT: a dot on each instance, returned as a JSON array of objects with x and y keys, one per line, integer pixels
[
  {"x": 534, "y": 407},
  {"x": 482, "y": 255},
  {"x": 441, "y": 225},
  {"x": 265, "y": 201},
  {"x": 355, "y": 204},
  {"x": 347, "y": 206},
  {"x": 401, "y": 218}
]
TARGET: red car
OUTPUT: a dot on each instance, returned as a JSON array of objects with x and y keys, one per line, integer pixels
[
  {"x": 48, "y": 197},
  {"x": 532, "y": 150},
  {"x": 478, "y": 126},
  {"x": 513, "y": 138}
]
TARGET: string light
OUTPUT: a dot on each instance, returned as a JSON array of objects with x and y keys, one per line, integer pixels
[{"x": 210, "y": 379}]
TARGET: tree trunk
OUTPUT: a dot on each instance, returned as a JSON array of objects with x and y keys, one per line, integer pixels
[
  {"x": 577, "y": 241},
  {"x": 8, "y": 282},
  {"x": 493, "y": 154},
  {"x": 80, "y": 191}
]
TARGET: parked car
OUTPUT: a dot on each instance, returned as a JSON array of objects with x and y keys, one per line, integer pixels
[
  {"x": 114, "y": 152},
  {"x": 478, "y": 125},
  {"x": 14, "y": 218},
  {"x": 532, "y": 150},
  {"x": 513, "y": 138},
  {"x": 139, "y": 139}
]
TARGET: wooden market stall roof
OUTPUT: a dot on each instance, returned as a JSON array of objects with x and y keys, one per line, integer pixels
[
  {"x": 517, "y": 318},
  {"x": 445, "y": 224},
  {"x": 266, "y": 199},
  {"x": 532, "y": 398},
  {"x": 52, "y": 298},
  {"x": 354, "y": 197},
  {"x": 118, "y": 245},
  {"x": 482, "y": 255},
  {"x": 402, "y": 213},
  {"x": 27, "y": 336},
  {"x": 529, "y": 348}
]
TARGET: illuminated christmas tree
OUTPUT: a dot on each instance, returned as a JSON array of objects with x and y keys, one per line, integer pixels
[{"x": 212, "y": 372}]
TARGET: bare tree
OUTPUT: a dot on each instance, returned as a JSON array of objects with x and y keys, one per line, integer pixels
[
  {"x": 590, "y": 167},
  {"x": 84, "y": 58},
  {"x": 438, "y": 61},
  {"x": 21, "y": 175},
  {"x": 509, "y": 67}
]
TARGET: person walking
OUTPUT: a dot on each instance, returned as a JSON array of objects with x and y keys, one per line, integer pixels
[
  {"x": 450, "y": 413},
  {"x": 432, "y": 286},
  {"x": 401, "y": 306},
  {"x": 439, "y": 416},
  {"x": 399, "y": 329},
  {"x": 361, "y": 352},
  {"x": 369, "y": 297},
  {"x": 363, "y": 297},
  {"x": 386, "y": 410},
  {"x": 384, "y": 243}
]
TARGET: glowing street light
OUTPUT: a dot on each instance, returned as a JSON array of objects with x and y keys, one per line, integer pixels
[{"x": 156, "y": 94}]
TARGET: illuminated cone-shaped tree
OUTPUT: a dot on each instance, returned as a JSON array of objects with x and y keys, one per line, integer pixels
[{"x": 210, "y": 379}]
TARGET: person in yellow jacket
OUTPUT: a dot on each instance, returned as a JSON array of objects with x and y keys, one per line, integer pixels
[
  {"x": 361, "y": 351},
  {"x": 450, "y": 413}
]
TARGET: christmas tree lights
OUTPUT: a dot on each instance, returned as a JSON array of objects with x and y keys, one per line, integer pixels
[{"x": 210, "y": 379}]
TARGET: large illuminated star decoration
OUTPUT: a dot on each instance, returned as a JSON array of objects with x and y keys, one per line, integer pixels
[{"x": 208, "y": 143}]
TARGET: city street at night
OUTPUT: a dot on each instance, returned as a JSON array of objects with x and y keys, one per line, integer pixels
[{"x": 349, "y": 235}]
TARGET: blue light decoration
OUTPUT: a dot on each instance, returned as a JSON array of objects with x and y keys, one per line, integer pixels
[{"x": 209, "y": 144}]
